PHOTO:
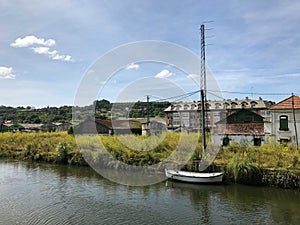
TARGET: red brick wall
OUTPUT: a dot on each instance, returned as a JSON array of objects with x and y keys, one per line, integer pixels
[{"x": 240, "y": 128}]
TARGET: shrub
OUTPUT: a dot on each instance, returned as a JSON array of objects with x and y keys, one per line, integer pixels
[
  {"x": 62, "y": 151},
  {"x": 244, "y": 170}
]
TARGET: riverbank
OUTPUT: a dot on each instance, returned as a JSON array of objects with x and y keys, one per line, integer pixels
[
  {"x": 271, "y": 164},
  {"x": 56, "y": 147}
]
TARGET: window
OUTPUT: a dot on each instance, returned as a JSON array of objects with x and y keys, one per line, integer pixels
[
  {"x": 193, "y": 115},
  {"x": 257, "y": 141},
  {"x": 244, "y": 104},
  {"x": 226, "y": 141},
  {"x": 233, "y": 105},
  {"x": 253, "y": 104},
  {"x": 284, "y": 123},
  {"x": 226, "y": 105},
  {"x": 265, "y": 113},
  {"x": 217, "y": 116},
  {"x": 218, "y": 106},
  {"x": 207, "y": 106}
]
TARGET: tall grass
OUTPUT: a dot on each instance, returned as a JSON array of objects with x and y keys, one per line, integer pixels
[
  {"x": 140, "y": 150},
  {"x": 38, "y": 146},
  {"x": 245, "y": 163}
]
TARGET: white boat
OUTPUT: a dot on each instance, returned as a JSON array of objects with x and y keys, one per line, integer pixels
[{"x": 194, "y": 177}]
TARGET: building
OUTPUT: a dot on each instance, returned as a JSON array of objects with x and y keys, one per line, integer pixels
[
  {"x": 108, "y": 127},
  {"x": 243, "y": 126},
  {"x": 285, "y": 116},
  {"x": 48, "y": 127},
  {"x": 63, "y": 126},
  {"x": 187, "y": 116},
  {"x": 153, "y": 127}
]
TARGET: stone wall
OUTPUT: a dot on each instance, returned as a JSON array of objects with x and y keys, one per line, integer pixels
[
  {"x": 267, "y": 177},
  {"x": 281, "y": 178}
]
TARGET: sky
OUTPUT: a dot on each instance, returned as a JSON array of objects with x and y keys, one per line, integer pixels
[{"x": 48, "y": 47}]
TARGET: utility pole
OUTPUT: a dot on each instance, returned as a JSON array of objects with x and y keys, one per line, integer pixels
[
  {"x": 148, "y": 115},
  {"x": 295, "y": 123},
  {"x": 203, "y": 69},
  {"x": 203, "y": 121},
  {"x": 203, "y": 84},
  {"x": 148, "y": 105}
]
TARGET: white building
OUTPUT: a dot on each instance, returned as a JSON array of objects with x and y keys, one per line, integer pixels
[
  {"x": 285, "y": 118},
  {"x": 187, "y": 115}
]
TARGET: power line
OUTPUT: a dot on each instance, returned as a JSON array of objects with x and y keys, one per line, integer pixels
[
  {"x": 249, "y": 93},
  {"x": 220, "y": 97},
  {"x": 213, "y": 92},
  {"x": 177, "y": 97}
]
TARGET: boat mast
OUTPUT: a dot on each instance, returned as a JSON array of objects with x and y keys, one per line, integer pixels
[{"x": 203, "y": 86}]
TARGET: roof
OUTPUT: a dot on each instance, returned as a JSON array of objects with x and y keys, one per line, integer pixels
[
  {"x": 242, "y": 116},
  {"x": 115, "y": 124},
  {"x": 288, "y": 103},
  {"x": 223, "y": 104},
  {"x": 120, "y": 124}
]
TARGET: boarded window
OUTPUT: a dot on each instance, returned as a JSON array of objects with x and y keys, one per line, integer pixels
[{"x": 283, "y": 123}]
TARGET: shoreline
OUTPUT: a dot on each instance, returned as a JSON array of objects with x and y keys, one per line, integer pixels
[
  {"x": 267, "y": 177},
  {"x": 265, "y": 166}
]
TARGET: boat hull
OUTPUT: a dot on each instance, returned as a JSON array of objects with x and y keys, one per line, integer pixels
[{"x": 194, "y": 177}]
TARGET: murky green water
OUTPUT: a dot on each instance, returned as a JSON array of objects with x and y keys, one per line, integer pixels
[{"x": 51, "y": 194}]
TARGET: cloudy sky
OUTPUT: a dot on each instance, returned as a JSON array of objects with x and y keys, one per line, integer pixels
[{"x": 47, "y": 47}]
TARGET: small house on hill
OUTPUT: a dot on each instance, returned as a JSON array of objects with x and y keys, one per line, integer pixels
[
  {"x": 286, "y": 120},
  {"x": 48, "y": 127},
  {"x": 243, "y": 126},
  {"x": 153, "y": 127},
  {"x": 108, "y": 127},
  {"x": 63, "y": 126}
]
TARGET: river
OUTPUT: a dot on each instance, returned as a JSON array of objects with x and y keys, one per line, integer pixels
[{"x": 32, "y": 193}]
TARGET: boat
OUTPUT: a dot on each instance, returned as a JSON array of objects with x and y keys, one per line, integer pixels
[
  {"x": 198, "y": 177},
  {"x": 194, "y": 177}
]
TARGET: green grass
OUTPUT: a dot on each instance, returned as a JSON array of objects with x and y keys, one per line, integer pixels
[
  {"x": 39, "y": 146},
  {"x": 271, "y": 155},
  {"x": 59, "y": 147},
  {"x": 245, "y": 164}
]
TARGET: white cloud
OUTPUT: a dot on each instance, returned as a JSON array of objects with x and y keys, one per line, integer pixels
[
  {"x": 44, "y": 51},
  {"x": 62, "y": 57},
  {"x": 132, "y": 66},
  {"x": 43, "y": 47},
  {"x": 32, "y": 40},
  {"x": 52, "y": 54},
  {"x": 164, "y": 74},
  {"x": 6, "y": 73}
]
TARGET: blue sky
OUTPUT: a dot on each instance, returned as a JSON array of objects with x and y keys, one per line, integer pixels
[{"x": 46, "y": 47}]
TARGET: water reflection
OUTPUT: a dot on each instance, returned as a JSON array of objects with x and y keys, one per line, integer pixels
[
  {"x": 239, "y": 204},
  {"x": 33, "y": 193}
]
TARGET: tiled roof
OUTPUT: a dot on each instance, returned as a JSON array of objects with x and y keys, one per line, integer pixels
[
  {"x": 119, "y": 124},
  {"x": 287, "y": 103},
  {"x": 224, "y": 104}
]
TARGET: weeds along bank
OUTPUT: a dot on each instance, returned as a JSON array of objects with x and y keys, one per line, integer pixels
[
  {"x": 59, "y": 147},
  {"x": 44, "y": 147},
  {"x": 269, "y": 164}
]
